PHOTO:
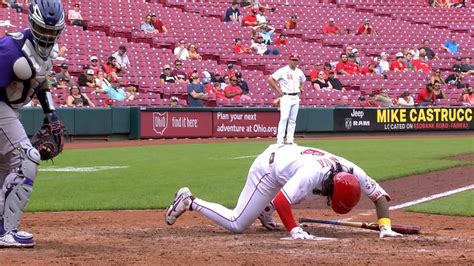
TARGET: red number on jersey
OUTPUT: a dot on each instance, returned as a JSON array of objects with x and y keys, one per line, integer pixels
[{"x": 313, "y": 152}]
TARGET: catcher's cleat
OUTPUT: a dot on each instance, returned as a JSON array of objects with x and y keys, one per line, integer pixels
[
  {"x": 266, "y": 218},
  {"x": 17, "y": 239},
  {"x": 182, "y": 203}
]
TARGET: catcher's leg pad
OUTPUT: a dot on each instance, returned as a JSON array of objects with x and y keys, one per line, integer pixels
[{"x": 18, "y": 187}]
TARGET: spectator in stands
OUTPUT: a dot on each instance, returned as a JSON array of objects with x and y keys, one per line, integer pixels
[
  {"x": 438, "y": 92},
  {"x": 63, "y": 84},
  {"x": 217, "y": 77},
  {"x": 233, "y": 91},
  {"x": 77, "y": 99},
  {"x": 261, "y": 48},
  {"x": 239, "y": 48},
  {"x": 467, "y": 67},
  {"x": 355, "y": 67},
  {"x": 233, "y": 13},
  {"x": 361, "y": 101},
  {"x": 421, "y": 64},
  {"x": 355, "y": 53},
  {"x": 405, "y": 100},
  {"x": 111, "y": 66},
  {"x": 166, "y": 76},
  {"x": 242, "y": 83},
  {"x": 87, "y": 79},
  {"x": 178, "y": 73},
  {"x": 94, "y": 64},
  {"x": 366, "y": 28},
  {"x": 100, "y": 79},
  {"x": 345, "y": 67},
  {"x": 281, "y": 40},
  {"x": 251, "y": 19},
  {"x": 408, "y": 61},
  {"x": 426, "y": 96},
  {"x": 455, "y": 79},
  {"x": 132, "y": 92},
  {"x": 371, "y": 102},
  {"x": 122, "y": 57},
  {"x": 398, "y": 65},
  {"x": 348, "y": 50},
  {"x": 74, "y": 15},
  {"x": 193, "y": 52},
  {"x": 327, "y": 68},
  {"x": 384, "y": 65},
  {"x": 147, "y": 25},
  {"x": 429, "y": 52},
  {"x": 335, "y": 82},
  {"x": 291, "y": 23},
  {"x": 331, "y": 28},
  {"x": 114, "y": 91},
  {"x": 174, "y": 101},
  {"x": 458, "y": 63},
  {"x": 317, "y": 66},
  {"x": 467, "y": 96},
  {"x": 215, "y": 89},
  {"x": 64, "y": 73},
  {"x": 230, "y": 70},
  {"x": 261, "y": 18},
  {"x": 14, "y": 4},
  {"x": 321, "y": 84},
  {"x": 158, "y": 24},
  {"x": 226, "y": 81},
  {"x": 436, "y": 77},
  {"x": 369, "y": 69},
  {"x": 196, "y": 92},
  {"x": 383, "y": 99},
  {"x": 266, "y": 32},
  {"x": 343, "y": 101},
  {"x": 181, "y": 52},
  {"x": 52, "y": 82},
  {"x": 451, "y": 46}
]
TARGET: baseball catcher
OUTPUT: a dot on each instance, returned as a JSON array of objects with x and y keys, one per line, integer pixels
[
  {"x": 297, "y": 171},
  {"x": 26, "y": 62}
]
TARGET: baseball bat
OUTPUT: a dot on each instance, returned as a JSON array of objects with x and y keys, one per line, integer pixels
[{"x": 399, "y": 228}]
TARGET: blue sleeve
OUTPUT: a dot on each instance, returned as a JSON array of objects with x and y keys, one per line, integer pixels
[
  {"x": 9, "y": 53},
  {"x": 228, "y": 13},
  {"x": 190, "y": 89},
  {"x": 446, "y": 44}
]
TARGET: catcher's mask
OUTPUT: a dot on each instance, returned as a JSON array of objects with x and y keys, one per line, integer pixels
[{"x": 341, "y": 188}]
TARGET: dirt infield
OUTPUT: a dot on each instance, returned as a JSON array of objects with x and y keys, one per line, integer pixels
[{"x": 142, "y": 237}]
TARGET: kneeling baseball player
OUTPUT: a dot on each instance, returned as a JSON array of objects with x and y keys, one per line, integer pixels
[{"x": 300, "y": 171}]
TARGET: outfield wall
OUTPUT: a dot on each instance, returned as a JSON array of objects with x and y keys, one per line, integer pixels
[{"x": 136, "y": 122}]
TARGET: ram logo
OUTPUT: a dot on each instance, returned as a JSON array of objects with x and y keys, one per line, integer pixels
[{"x": 348, "y": 123}]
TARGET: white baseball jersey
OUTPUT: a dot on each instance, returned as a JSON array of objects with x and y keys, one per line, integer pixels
[
  {"x": 298, "y": 170},
  {"x": 289, "y": 79}
]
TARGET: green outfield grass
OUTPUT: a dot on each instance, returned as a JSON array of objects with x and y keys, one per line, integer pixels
[
  {"x": 154, "y": 173},
  {"x": 461, "y": 204}
]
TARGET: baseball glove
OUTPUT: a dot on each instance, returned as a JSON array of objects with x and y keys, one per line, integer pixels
[{"x": 49, "y": 140}]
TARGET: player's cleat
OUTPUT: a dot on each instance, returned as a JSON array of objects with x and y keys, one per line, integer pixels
[
  {"x": 182, "y": 203},
  {"x": 266, "y": 218},
  {"x": 18, "y": 239}
]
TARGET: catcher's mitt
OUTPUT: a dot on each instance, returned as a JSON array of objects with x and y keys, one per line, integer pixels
[{"x": 49, "y": 140}]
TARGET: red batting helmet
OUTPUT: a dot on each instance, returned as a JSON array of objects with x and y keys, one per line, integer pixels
[{"x": 346, "y": 192}]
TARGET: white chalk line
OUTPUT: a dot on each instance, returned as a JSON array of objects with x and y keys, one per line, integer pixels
[
  {"x": 80, "y": 169},
  {"x": 421, "y": 200},
  {"x": 234, "y": 158}
]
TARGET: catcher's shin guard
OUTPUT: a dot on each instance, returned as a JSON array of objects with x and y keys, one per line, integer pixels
[{"x": 17, "y": 188}]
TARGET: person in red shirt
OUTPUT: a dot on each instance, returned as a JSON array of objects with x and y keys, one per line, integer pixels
[
  {"x": 369, "y": 69},
  {"x": 215, "y": 89},
  {"x": 111, "y": 66},
  {"x": 291, "y": 23},
  {"x": 398, "y": 64},
  {"x": 366, "y": 28},
  {"x": 251, "y": 19},
  {"x": 426, "y": 95},
  {"x": 331, "y": 28},
  {"x": 314, "y": 72},
  {"x": 346, "y": 67},
  {"x": 230, "y": 70},
  {"x": 233, "y": 91},
  {"x": 239, "y": 49},
  {"x": 281, "y": 40},
  {"x": 421, "y": 64},
  {"x": 371, "y": 102},
  {"x": 158, "y": 24}
]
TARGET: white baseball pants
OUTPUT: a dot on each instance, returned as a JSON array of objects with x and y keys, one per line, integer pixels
[
  {"x": 260, "y": 189},
  {"x": 289, "y": 106}
]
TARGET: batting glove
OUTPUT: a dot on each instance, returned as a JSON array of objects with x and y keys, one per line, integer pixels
[
  {"x": 387, "y": 232},
  {"x": 299, "y": 233}
]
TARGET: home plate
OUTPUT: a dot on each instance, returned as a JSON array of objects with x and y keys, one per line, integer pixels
[{"x": 314, "y": 239}]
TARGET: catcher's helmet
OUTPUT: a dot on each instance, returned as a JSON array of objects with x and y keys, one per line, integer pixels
[
  {"x": 346, "y": 192},
  {"x": 46, "y": 22}
]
